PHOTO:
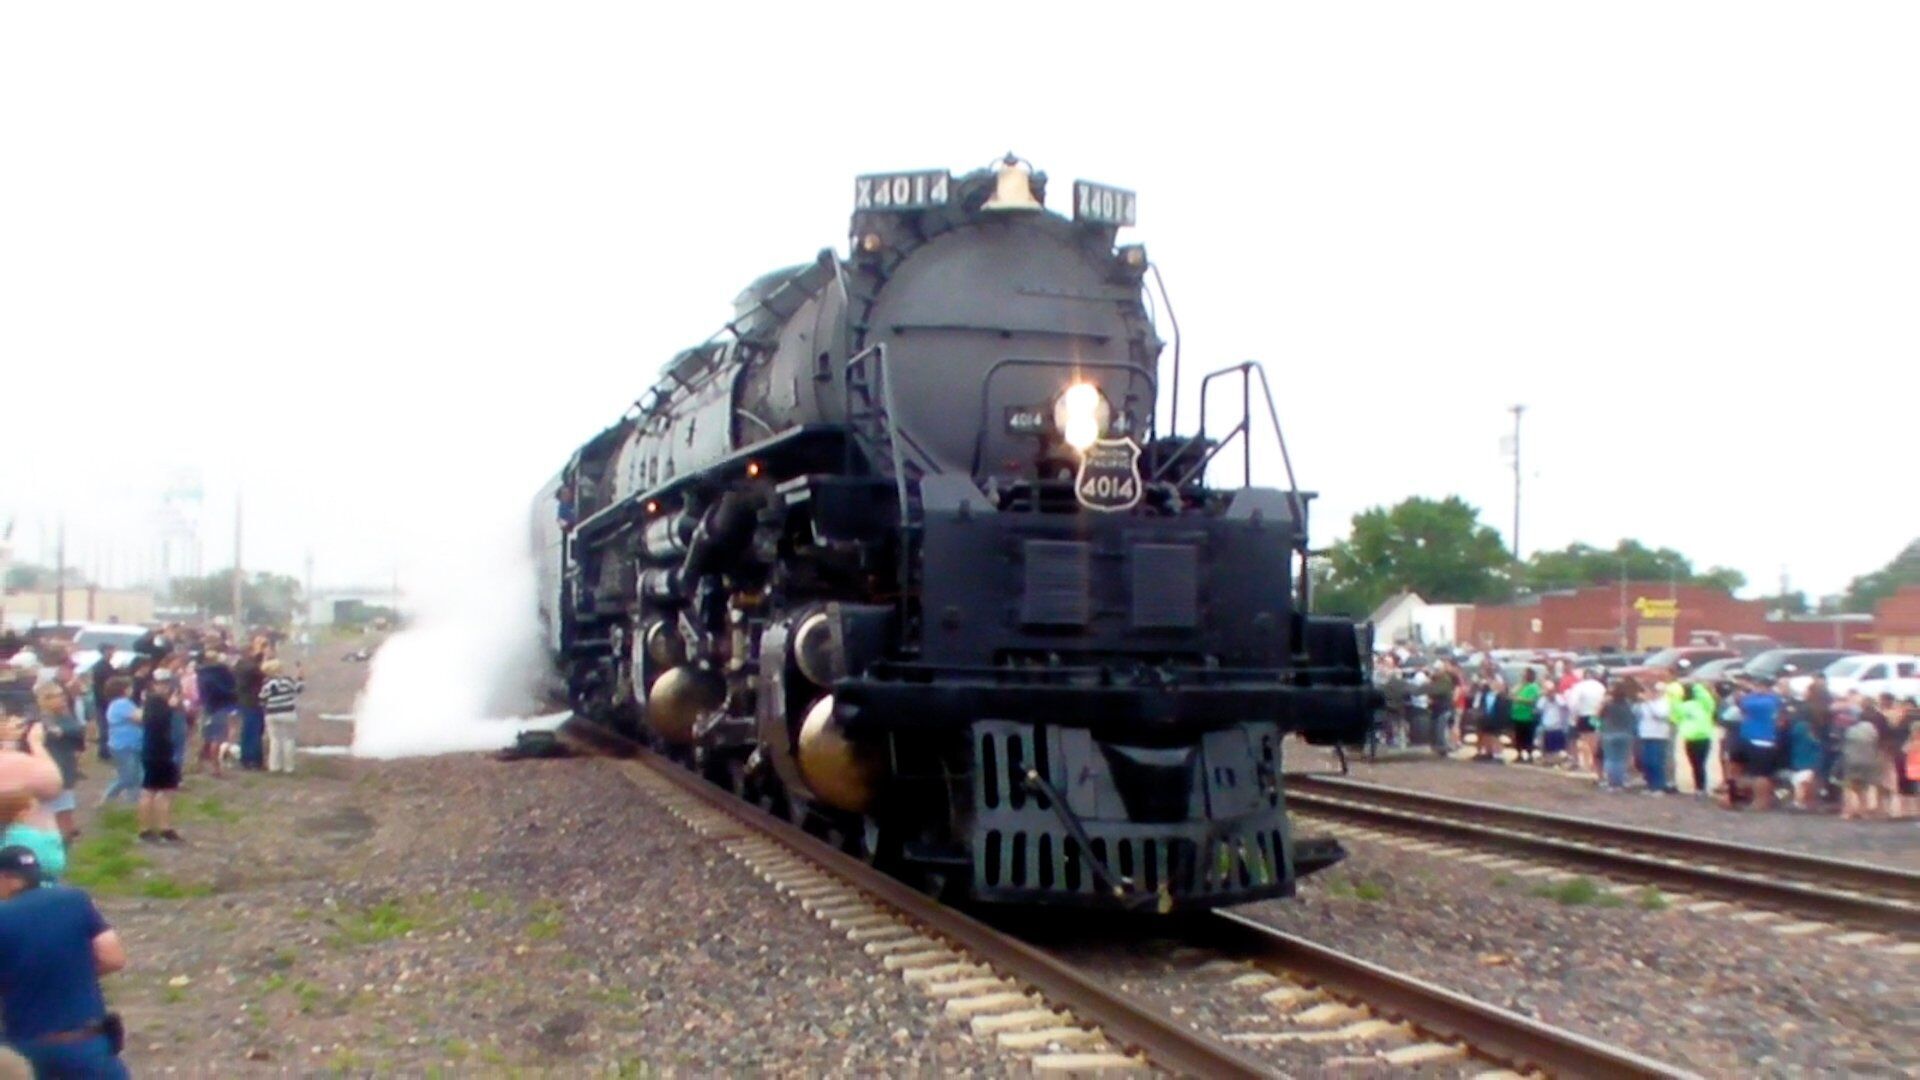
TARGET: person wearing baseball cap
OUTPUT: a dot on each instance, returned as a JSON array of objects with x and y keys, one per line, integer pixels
[{"x": 54, "y": 946}]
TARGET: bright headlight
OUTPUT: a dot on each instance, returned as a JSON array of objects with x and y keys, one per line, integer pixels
[{"x": 1081, "y": 414}]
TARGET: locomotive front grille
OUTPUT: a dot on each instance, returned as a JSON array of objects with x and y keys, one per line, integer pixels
[
  {"x": 1232, "y": 868},
  {"x": 1229, "y": 845},
  {"x": 1059, "y": 579},
  {"x": 1166, "y": 587}
]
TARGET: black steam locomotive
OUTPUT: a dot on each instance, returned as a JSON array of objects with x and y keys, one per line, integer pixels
[{"x": 905, "y": 553}]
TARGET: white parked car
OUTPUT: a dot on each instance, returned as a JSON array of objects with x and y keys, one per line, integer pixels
[
  {"x": 1875, "y": 674},
  {"x": 123, "y": 637}
]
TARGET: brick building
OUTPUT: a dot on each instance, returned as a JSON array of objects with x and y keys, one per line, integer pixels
[
  {"x": 1896, "y": 622},
  {"x": 1637, "y": 615},
  {"x": 1826, "y": 632}
]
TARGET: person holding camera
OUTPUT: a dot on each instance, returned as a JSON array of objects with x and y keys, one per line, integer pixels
[
  {"x": 159, "y": 765},
  {"x": 27, "y": 768},
  {"x": 124, "y": 739},
  {"x": 102, "y": 671},
  {"x": 54, "y": 946},
  {"x": 66, "y": 739}
]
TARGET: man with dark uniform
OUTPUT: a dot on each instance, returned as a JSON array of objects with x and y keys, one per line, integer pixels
[{"x": 54, "y": 946}]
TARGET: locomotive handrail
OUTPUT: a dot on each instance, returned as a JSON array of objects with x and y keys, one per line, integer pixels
[
  {"x": 1173, "y": 410},
  {"x": 1243, "y": 430},
  {"x": 896, "y": 435},
  {"x": 986, "y": 391}
]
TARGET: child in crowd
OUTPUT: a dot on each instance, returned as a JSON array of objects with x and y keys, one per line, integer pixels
[
  {"x": 16, "y": 813},
  {"x": 1804, "y": 754}
]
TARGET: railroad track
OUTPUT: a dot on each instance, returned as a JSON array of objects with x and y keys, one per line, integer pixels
[
  {"x": 1075, "y": 1024},
  {"x": 1882, "y": 899}
]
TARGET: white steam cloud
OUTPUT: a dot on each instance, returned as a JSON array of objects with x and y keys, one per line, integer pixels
[{"x": 464, "y": 674}]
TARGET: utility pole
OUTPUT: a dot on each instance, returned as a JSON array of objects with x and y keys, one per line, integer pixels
[
  {"x": 60, "y": 575},
  {"x": 238, "y": 575},
  {"x": 305, "y": 614},
  {"x": 1516, "y": 410},
  {"x": 1623, "y": 603}
]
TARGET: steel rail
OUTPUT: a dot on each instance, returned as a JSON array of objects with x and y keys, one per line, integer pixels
[
  {"x": 1887, "y": 881},
  {"x": 1162, "y": 1040},
  {"x": 1526, "y": 1044},
  {"x": 1677, "y": 866}
]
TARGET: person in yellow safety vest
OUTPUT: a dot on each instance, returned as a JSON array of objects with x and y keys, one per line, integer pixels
[{"x": 1693, "y": 726}]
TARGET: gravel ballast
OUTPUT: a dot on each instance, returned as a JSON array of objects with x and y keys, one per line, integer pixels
[
  {"x": 466, "y": 915},
  {"x": 1707, "y": 991},
  {"x": 473, "y": 914}
]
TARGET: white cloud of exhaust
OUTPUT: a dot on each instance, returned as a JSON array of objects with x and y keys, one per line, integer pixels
[{"x": 464, "y": 674}]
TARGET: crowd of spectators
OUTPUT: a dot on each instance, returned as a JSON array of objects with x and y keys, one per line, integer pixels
[
  {"x": 196, "y": 701},
  {"x": 1817, "y": 751},
  {"x": 189, "y": 700}
]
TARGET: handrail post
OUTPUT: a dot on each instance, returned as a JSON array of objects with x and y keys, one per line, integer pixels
[{"x": 1246, "y": 419}]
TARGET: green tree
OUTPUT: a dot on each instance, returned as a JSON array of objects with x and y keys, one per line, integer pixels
[
  {"x": 32, "y": 577},
  {"x": 1865, "y": 592},
  {"x": 267, "y": 598},
  {"x": 1583, "y": 564},
  {"x": 1726, "y": 577},
  {"x": 1437, "y": 548}
]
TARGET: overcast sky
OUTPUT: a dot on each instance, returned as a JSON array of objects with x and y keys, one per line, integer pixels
[{"x": 382, "y": 265}]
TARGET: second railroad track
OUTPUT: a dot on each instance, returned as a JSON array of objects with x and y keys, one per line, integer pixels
[{"x": 1880, "y": 898}]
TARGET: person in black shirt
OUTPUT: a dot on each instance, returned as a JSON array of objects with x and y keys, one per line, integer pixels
[
  {"x": 97, "y": 675},
  {"x": 161, "y": 767}
]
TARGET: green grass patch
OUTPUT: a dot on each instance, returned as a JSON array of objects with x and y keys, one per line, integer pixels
[
  {"x": 1369, "y": 890},
  {"x": 1650, "y": 899},
  {"x": 306, "y": 995},
  {"x": 1338, "y": 888},
  {"x": 482, "y": 901},
  {"x": 104, "y": 863},
  {"x": 165, "y": 888},
  {"x": 1503, "y": 881},
  {"x": 273, "y": 983},
  {"x": 173, "y": 995},
  {"x": 208, "y": 808},
  {"x": 106, "y": 860},
  {"x": 381, "y": 922},
  {"x": 1575, "y": 891},
  {"x": 117, "y": 818},
  {"x": 545, "y": 920}
]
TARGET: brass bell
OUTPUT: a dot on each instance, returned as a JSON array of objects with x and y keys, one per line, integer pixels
[{"x": 1012, "y": 186}]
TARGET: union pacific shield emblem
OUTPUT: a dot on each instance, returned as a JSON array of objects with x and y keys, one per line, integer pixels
[{"x": 1109, "y": 475}]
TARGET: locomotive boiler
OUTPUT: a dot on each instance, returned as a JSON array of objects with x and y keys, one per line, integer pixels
[{"x": 910, "y": 553}]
